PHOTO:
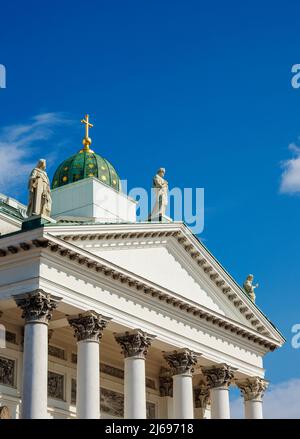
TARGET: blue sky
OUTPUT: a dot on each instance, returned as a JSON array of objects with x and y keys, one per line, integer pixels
[{"x": 203, "y": 89}]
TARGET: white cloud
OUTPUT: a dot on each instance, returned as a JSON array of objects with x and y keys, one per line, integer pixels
[
  {"x": 18, "y": 144},
  {"x": 281, "y": 401},
  {"x": 290, "y": 178}
]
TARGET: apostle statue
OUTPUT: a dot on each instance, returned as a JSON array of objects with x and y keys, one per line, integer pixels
[
  {"x": 39, "y": 191},
  {"x": 160, "y": 186},
  {"x": 249, "y": 287}
]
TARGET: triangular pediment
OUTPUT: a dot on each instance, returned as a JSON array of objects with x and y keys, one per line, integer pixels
[
  {"x": 174, "y": 259},
  {"x": 166, "y": 266}
]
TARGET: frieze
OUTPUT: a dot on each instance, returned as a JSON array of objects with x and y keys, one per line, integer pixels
[
  {"x": 7, "y": 371},
  {"x": 56, "y": 383},
  {"x": 57, "y": 352}
]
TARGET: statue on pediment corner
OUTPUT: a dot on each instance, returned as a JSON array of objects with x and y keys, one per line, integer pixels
[{"x": 250, "y": 288}]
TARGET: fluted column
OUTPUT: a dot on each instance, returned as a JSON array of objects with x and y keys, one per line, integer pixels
[
  {"x": 135, "y": 345},
  {"x": 37, "y": 308},
  {"x": 202, "y": 401},
  {"x": 181, "y": 363},
  {"x": 166, "y": 394},
  {"x": 88, "y": 328},
  {"x": 252, "y": 390},
  {"x": 218, "y": 378}
]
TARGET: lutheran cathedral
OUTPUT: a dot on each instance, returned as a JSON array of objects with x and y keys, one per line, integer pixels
[{"x": 104, "y": 316}]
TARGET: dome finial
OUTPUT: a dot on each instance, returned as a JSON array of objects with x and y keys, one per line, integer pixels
[{"x": 86, "y": 140}]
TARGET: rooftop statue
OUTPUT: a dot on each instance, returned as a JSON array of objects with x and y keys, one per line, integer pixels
[
  {"x": 249, "y": 287},
  {"x": 39, "y": 191},
  {"x": 160, "y": 186}
]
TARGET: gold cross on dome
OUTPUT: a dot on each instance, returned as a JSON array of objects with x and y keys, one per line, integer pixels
[{"x": 87, "y": 125}]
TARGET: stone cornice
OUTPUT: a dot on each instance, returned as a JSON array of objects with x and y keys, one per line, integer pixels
[{"x": 117, "y": 274}]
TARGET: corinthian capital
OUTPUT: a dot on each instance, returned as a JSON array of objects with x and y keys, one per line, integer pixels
[
  {"x": 181, "y": 361},
  {"x": 219, "y": 375},
  {"x": 88, "y": 325},
  {"x": 37, "y": 306},
  {"x": 253, "y": 388},
  {"x": 134, "y": 343}
]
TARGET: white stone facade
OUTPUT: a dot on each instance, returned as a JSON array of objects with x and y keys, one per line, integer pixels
[{"x": 154, "y": 278}]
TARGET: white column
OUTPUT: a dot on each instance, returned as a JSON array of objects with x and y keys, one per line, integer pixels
[
  {"x": 165, "y": 407},
  {"x": 88, "y": 328},
  {"x": 134, "y": 388},
  {"x": 253, "y": 390},
  {"x": 37, "y": 309},
  {"x": 134, "y": 345},
  {"x": 219, "y": 378},
  {"x": 220, "y": 408},
  {"x": 181, "y": 363},
  {"x": 183, "y": 396}
]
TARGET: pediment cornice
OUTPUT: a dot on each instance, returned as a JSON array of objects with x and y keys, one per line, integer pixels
[{"x": 65, "y": 246}]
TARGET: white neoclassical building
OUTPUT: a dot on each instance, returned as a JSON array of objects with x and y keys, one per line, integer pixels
[{"x": 104, "y": 316}]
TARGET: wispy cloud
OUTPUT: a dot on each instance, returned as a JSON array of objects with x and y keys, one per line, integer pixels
[
  {"x": 281, "y": 401},
  {"x": 290, "y": 178},
  {"x": 18, "y": 144}
]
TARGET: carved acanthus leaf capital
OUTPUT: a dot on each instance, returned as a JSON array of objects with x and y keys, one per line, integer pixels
[
  {"x": 181, "y": 361},
  {"x": 253, "y": 388},
  {"x": 165, "y": 382},
  {"x": 37, "y": 306},
  {"x": 88, "y": 325},
  {"x": 134, "y": 343},
  {"x": 219, "y": 375}
]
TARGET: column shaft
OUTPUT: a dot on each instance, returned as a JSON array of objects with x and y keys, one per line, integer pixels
[
  {"x": 220, "y": 408},
  {"x": 181, "y": 363},
  {"x": 135, "y": 345},
  {"x": 88, "y": 328},
  {"x": 37, "y": 308},
  {"x": 183, "y": 396},
  {"x": 35, "y": 371},
  {"x": 218, "y": 379},
  {"x": 252, "y": 390},
  {"x": 253, "y": 409},
  {"x": 88, "y": 380},
  {"x": 135, "y": 388}
]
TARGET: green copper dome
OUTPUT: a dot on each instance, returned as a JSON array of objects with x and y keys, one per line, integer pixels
[{"x": 85, "y": 164}]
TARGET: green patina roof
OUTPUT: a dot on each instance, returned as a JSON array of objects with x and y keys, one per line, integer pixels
[{"x": 86, "y": 164}]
